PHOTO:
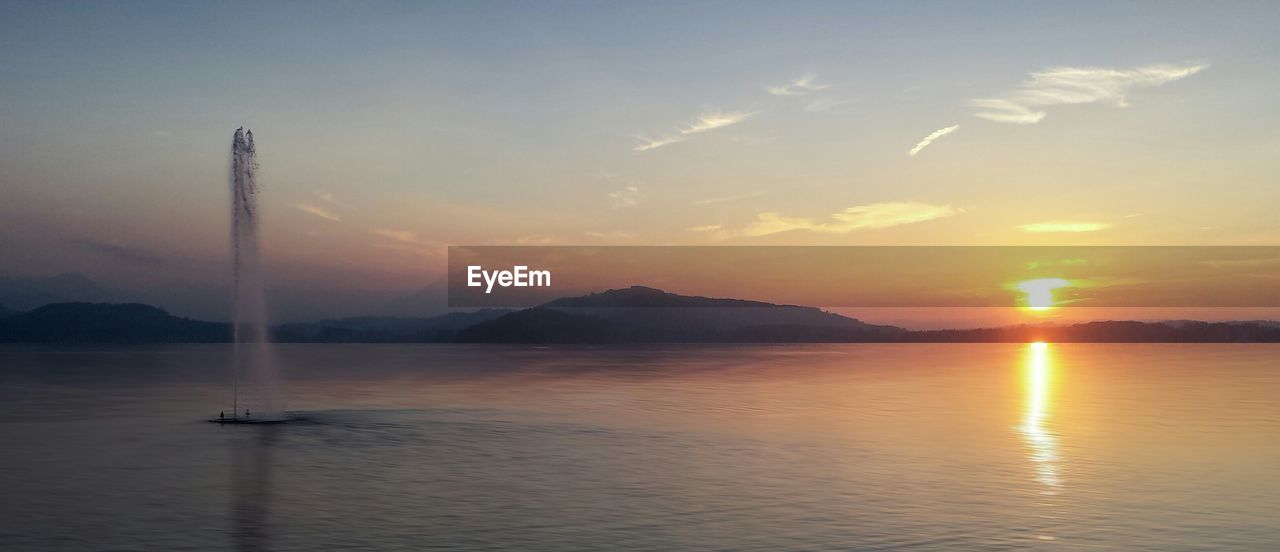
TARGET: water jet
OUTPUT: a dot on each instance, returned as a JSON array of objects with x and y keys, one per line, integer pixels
[{"x": 255, "y": 386}]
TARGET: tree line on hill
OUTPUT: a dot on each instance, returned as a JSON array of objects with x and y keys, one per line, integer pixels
[{"x": 631, "y": 315}]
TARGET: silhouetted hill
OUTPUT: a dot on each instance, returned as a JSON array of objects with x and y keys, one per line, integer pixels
[
  {"x": 31, "y": 293},
  {"x": 137, "y": 323},
  {"x": 107, "y": 323},
  {"x": 384, "y": 329},
  {"x": 633, "y": 315},
  {"x": 647, "y": 297},
  {"x": 1182, "y": 331},
  {"x": 646, "y": 315},
  {"x": 6, "y": 313},
  {"x": 430, "y": 301}
]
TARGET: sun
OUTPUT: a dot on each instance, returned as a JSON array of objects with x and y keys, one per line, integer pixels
[{"x": 1039, "y": 292}]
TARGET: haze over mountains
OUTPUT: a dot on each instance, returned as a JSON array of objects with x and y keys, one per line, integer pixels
[
  {"x": 642, "y": 314},
  {"x": 23, "y": 294},
  {"x": 631, "y": 315},
  {"x": 289, "y": 302}
]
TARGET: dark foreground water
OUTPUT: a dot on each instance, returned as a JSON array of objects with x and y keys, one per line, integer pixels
[{"x": 841, "y": 447}]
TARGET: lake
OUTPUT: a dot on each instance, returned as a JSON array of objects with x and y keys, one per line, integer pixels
[{"x": 952, "y": 447}]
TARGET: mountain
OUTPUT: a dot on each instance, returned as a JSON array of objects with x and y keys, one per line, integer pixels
[
  {"x": 631, "y": 315},
  {"x": 647, "y": 297},
  {"x": 1263, "y": 323},
  {"x": 646, "y": 315},
  {"x": 29, "y": 293},
  {"x": 432, "y": 300},
  {"x": 1182, "y": 331},
  {"x": 107, "y": 323},
  {"x": 384, "y": 329},
  {"x": 6, "y": 313}
]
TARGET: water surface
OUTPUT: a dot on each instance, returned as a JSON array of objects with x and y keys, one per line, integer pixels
[{"x": 802, "y": 447}]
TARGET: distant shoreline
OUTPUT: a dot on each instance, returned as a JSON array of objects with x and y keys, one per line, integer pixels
[{"x": 611, "y": 318}]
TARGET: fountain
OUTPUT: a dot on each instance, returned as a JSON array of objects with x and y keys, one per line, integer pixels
[{"x": 255, "y": 395}]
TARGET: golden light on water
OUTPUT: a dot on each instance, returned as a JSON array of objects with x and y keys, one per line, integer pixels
[
  {"x": 1039, "y": 292},
  {"x": 1042, "y": 444}
]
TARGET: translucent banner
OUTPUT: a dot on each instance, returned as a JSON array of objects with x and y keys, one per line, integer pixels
[{"x": 1031, "y": 277}]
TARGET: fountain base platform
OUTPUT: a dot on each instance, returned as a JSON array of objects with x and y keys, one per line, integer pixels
[{"x": 283, "y": 419}]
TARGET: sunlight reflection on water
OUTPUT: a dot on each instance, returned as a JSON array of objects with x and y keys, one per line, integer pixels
[
  {"x": 1036, "y": 430},
  {"x": 815, "y": 447}
]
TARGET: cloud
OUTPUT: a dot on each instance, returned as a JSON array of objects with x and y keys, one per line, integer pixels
[
  {"x": 714, "y": 231},
  {"x": 714, "y": 120},
  {"x": 317, "y": 211},
  {"x": 655, "y": 144},
  {"x": 536, "y": 239},
  {"x": 1044, "y": 227},
  {"x": 626, "y": 197},
  {"x": 726, "y": 199},
  {"x": 407, "y": 241},
  {"x": 710, "y": 120},
  {"x": 324, "y": 212},
  {"x": 1006, "y": 111},
  {"x": 798, "y": 87},
  {"x": 328, "y": 198},
  {"x": 804, "y": 86},
  {"x": 403, "y": 236},
  {"x": 1074, "y": 86},
  {"x": 123, "y": 253},
  {"x": 861, "y": 217},
  {"x": 614, "y": 235},
  {"x": 930, "y": 138}
]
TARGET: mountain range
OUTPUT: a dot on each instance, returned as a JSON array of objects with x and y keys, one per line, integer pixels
[
  {"x": 630, "y": 315},
  {"x": 646, "y": 315},
  {"x": 24, "y": 294},
  {"x": 289, "y": 301}
]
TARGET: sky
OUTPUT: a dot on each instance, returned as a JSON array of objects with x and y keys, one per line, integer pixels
[{"x": 387, "y": 131}]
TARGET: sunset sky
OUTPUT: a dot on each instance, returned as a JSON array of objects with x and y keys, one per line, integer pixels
[{"x": 390, "y": 131}]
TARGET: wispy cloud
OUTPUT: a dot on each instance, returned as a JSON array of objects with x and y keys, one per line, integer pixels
[
  {"x": 405, "y": 240},
  {"x": 317, "y": 211},
  {"x": 798, "y": 87},
  {"x": 328, "y": 198},
  {"x": 396, "y": 235},
  {"x": 626, "y": 197},
  {"x": 1076, "y": 85},
  {"x": 805, "y": 86},
  {"x": 861, "y": 217},
  {"x": 123, "y": 253},
  {"x": 713, "y": 231},
  {"x": 612, "y": 235},
  {"x": 536, "y": 239},
  {"x": 930, "y": 138},
  {"x": 726, "y": 199},
  {"x": 714, "y": 120},
  {"x": 651, "y": 143},
  {"x": 710, "y": 120},
  {"x": 1006, "y": 111},
  {"x": 1044, "y": 227}
]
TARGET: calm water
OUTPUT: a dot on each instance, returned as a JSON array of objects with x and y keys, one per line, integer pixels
[{"x": 841, "y": 447}]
